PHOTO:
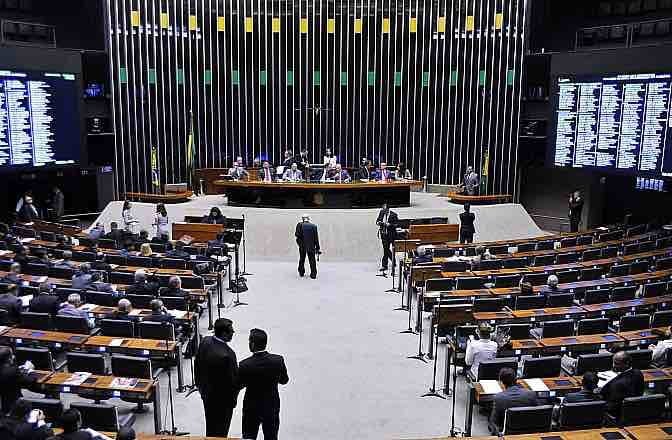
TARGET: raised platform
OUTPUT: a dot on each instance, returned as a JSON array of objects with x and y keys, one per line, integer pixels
[
  {"x": 490, "y": 199},
  {"x": 181, "y": 197},
  {"x": 345, "y": 234}
]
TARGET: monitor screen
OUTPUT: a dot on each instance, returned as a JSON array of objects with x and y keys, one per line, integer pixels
[
  {"x": 618, "y": 123},
  {"x": 39, "y": 118}
]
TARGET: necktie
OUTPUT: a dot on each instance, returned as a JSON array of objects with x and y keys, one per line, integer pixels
[{"x": 268, "y": 175}]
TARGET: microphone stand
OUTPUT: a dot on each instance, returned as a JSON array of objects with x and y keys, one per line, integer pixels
[
  {"x": 453, "y": 432},
  {"x": 432, "y": 391},
  {"x": 420, "y": 356},
  {"x": 409, "y": 286},
  {"x": 237, "y": 302},
  {"x": 394, "y": 263},
  {"x": 245, "y": 272},
  {"x": 173, "y": 431}
]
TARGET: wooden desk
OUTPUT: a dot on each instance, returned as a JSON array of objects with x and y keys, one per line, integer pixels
[
  {"x": 641, "y": 337},
  {"x": 434, "y": 233},
  {"x": 478, "y": 200},
  {"x": 201, "y": 232},
  {"x": 658, "y": 431},
  {"x": 587, "y": 434},
  {"x": 567, "y": 342},
  {"x": 102, "y": 312},
  {"x": 526, "y": 346},
  {"x": 629, "y": 305},
  {"x": 180, "y": 197},
  {"x": 548, "y": 313},
  {"x": 492, "y": 317},
  {"x": 143, "y": 346},
  {"x": 50, "y": 338}
]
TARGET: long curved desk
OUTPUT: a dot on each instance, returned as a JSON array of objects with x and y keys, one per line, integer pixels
[{"x": 316, "y": 195}]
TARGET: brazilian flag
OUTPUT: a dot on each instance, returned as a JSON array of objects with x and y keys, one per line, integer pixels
[{"x": 484, "y": 174}]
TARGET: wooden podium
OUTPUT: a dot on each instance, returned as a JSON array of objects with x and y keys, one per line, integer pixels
[
  {"x": 432, "y": 234},
  {"x": 200, "y": 232}
]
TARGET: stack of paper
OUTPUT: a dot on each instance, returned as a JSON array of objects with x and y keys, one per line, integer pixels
[
  {"x": 26, "y": 240},
  {"x": 536, "y": 385},
  {"x": 604, "y": 377},
  {"x": 77, "y": 379},
  {"x": 124, "y": 382},
  {"x": 116, "y": 342},
  {"x": 177, "y": 314},
  {"x": 490, "y": 386}
]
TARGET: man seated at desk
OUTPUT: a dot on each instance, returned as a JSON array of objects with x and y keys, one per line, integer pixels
[
  {"x": 383, "y": 174},
  {"x": 293, "y": 174},
  {"x": 99, "y": 285},
  {"x": 14, "y": 275},
  {"x": 628, "y": 382},
  {"x": 481, "y": 349},
  {"x": 45, "y": 302},
  {"x": 71, "y": 421},
  {"x": 178, "y": 251},
  {"x": 82, "y": 280},
  {"x": 551, "y": 287},
  {"x": 13, "y": 378},
  {"x": 10, "y": 302},
  {"x": 159, "y": 313},
  {"x": 174, "y": 288},
  {"x": 123, "y": 312},
  {"x": 66, "y": 261},
  {"x": 587, "y": 393},
  {"x": 141, "y": 286},
  {"x": 71, "y": 308},
  {"x": 339, "y": 175},
  {"x": 660, "y": 349},
  {"x": 288, "y": 159},
  {"x": 266, "y": 173},
  {"x": 238, "y": 171},
  {"x": 513, "y": 396}
]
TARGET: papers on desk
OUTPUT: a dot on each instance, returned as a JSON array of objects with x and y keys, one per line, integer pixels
[
  {"x": 41, "y": 279},
  {"x": 604, "y": 377},
  {"x": 4, "y": 252},
  {"x": 536, "y": 385},
  {"x": 3, "y": 328},
  {"x": 25, "y": 300},
  {"x": 512, "y": 249},
  {"x": 124, "y": 382},
  {"x": 113, "y": 266},
  {"x": 177, "y": 314},
  {"x": 134, "y": 312},
  {"x": 26, "y": 240},
  {"x": 280, "y": 170},
  {"x": 116, "y": 342},
  {"x": 490, "y": 386},
  {"x": 87, "y": 307},
  {"x": 77, "y": 379}
]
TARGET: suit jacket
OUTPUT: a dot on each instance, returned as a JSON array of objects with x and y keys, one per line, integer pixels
[
  {"x": 260, "y": 374},
  {"x": 292, "y": 175},
  {"x": 159, "y": 317},
  {"x": 101, "y": 286},
  {"x": 169, "y": 291},
  {"x": 81, "y": 281},
  {"x": 390, "y": 231},
  {"x": 467, "y": 222},
  {"x": 581, "y": 396},
  {"x": 13, "y": 305},
  {"x": 12, "y": 380},
  {"x": 306, "y": 236},
  {"x": 629, "y": 383},
  {"x": 213, "y": 220},
  {"x": 384, "y": 175},
  {"x": 261, "y": 174},
  {"x": 216, "y": 371},
  {"x": 145, "y": 288},
  {"x": 77, "y": 435},
  {"x": 512, "y": 397},
  {"x": 471, "y": 183},
  {"x": 575, "y": 208},
  {"x": 28, "y": 213},
  {"x": 30, "y": 431},
  {"x": 45, "y": 304}
]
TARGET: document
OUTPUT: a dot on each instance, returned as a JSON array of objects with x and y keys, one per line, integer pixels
[
  {"x": 490, "y": 386},
  {"x": 77, "y": 379},
  {"x": 25, "y": 300},
  {"x": 536, "y": 385},
  {"x": 116, "y": 342},
  {"x": 604, "y": 377},
  {"x": 87, "y": 307},
  {"x": 177, "y": 314},
  {"x": 124, "y": 382}
]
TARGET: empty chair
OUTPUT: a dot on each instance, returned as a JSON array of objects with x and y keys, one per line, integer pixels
[
  {"x": 623, "y": 293},
  {"x": 528, "y": 419},
  {"x": 36, "y": 269},
  {"x": 633, "y": 322},
  {"x": 487, "y": 304},
  {"x": 119, "y": 260},
  {"x": 84, "y": 362},
  {"x": 515, "y": 331},
  {"x": 619, "y": 270},
  {"x": 71, "y": 324},
  {"x": 122, "y": 278},
  {"x": 596, "y": 296},
  {"x": 630, "y": 249},
  {"x": 117, "y": 327},
  {"x": 591, "y": 254},
  {"x": 156, "y": 330},
  {"x": 47, "y": 236},
  {"x": 554, "y": 329},
  {"x": 489, "y": 370},
  {"x": 560, "y": 300},
  {"x": 40, "y": 357},
  {"x": 663, "y": 243},
  {"x": 498, "y": 250},
  {"x": 584, "y": 240},
  {"x": 654, "y": 289},
  {"x": 36, "y": 321},
  {"x": 568, "y": 242},
  {"x": 593, "y": 326},
  {"x": 83, "y": 256},
  {"x": 548, "y": 366},
  {"x": 174, "y": 302},
  {"x": 662, "y": 318},
  {"x": 490, "y": 265},
  {"x": 507, "y": 280},
  {"x": 593, "y": 362},
  {"x": 571, "y": 257},
  {"x": 192, "y": 282},
  {"x": 132, "y": 366},
  {"x": 528, "y": 302},
  {"x": 439, "y": 284},
  {"x": 52, "y": 408},
  {"x": 593, "y": 273},
  {"x": 515, "y": 263},
  {"x": 567, "y": 276},
  {"x": 106, "y": 299},
  {"x": 467, "y": 283},
  {"x": 582, "y": 415},
  {"x": 101, "y": 417},
  {"x": 609, "y": 252},
  {"x": 664, "y": 263},
  {"x": 546, "y": 245},
  {"x": 454, "y": 266},
  {"x": 107, "y": 243},
  {"x": 140, "y": 301},
  {"x": 639, "y": 267},
  {"x": 527, "y": 247},
  {"x": 63, "y": 273},
  {"x": 536, "y": 279},
  {"x": 544, "y": 260},
  {"x": 161, "y": 248},
  {"x": 140, "y": 261},
  {"x": 643, "y": 409},
  {"x": 641, "y": 359},
  {"x": 173, "y": 263}
]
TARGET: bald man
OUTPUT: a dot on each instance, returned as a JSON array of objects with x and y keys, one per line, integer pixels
[{"x": 628, "y": 383}]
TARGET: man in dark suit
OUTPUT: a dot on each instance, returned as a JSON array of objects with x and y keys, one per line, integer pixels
[
  {"x": 551, "y": 287},
  {"x": 174, "y": 288},
  {"x": 216, "y": 376},
  {"x": 71, "y": 421},
  {"x": 12, "y": 379},
  {"x": 159, "y": 313},
  {"x": 266, "y": 173},
  {"x": 141, "y": 286},
  {"x": 45, "y": 302},
  {"x": 123, "y": 312},
  {"x": 387, "y": 231},
  {"x": 99, "y": 285},
  {"x": 115, "y": 233},
  {"x": 14, "y": 274},
  {"x": 309, "y": 244},
  {"x": 467, "y": 228},
  {"x": 575, "y": 209},
  {"x": 628, "y": 383},
  {"x": 587, "y": 393},
  {"x": 10, "y": 302},
  {"x": 178, "y": 251},
  {"x": 260, "y": 374},
  {"x": 512, "y": 397}
]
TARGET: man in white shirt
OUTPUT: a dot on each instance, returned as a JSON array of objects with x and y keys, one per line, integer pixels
[
  {"x": 660, "y": 349},
  {"x": 479, "y": 350}
]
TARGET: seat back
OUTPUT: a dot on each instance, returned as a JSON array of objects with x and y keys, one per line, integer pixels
[
  {"x": 498, "y": 250},
  {"x": 609, "y": 252},
  {"x": 545, "y": 245},
  {"x": 119, "y": 260},
  {"x": 664, "y": 263},
  {"x": 593, "y": 273},
  {"x": 160, "y": 248},
  {"x": 490, "y": 265},
  {"x": 36, "y": 269},
  {"x": 591, "y": 254},
  {"x": 122, "y": 278},
  {"x": 516, "y": 331},
  {"x": 647, "y": 246},
  {"x": 83, "y": 256},
  {"x": 64, "y": 292},
  {"x": 40, "y": 357},
  {"x": 99, "y": 417},
  {"x": 596, "y": 296},
  {"x": 174, "y": 302},
  {"x": 623, "y": 293},
  {"x": 619, "y": 270},
  {"x": 527, "y": 247},
  {"x": 84, "y": 362},
  {"x": 662, "y": 318},
  {"x": 643, "y": 409},
  {"x": 140, "y": 261},
  {"x": 570, "y": 257},
  {"x": 454, "y": 266},
  {"x": 557, "y": 329},
  {"x": 544, "y": 260},
  {"x": 63, "y": 273},
  {"x": 173, "y": 263},
  {"x": 536, "y": 279},
  {"x": 630, "y": 249},
  {"x": 527, "y": 302},
  {"x": 131, "y": 366},
  {"x": 489, "y": 370},
  {"x": 515, "y": 263},
  {"x": 634, "y": 322},
  {"x": 655, "y": 289},
  {"x": 467, "y": 283},
  {"x": 568, "y": 242},
  {"x": 639, "y": 267},
  {"x": 568, "y": 276},
  {"x": 140, "y": 301},
  {"x": 487, "y": 304},
  {"x": 36, "y": 321},
  {"x": 507, "y": 280},
  {"x": 117, "y": 327},
  {"x": 593, "y": 362},
  {"x": 582, "y": 415},
  {"x": 71, "y": 324},
  {"x": 107, "y": 243},
  {"x": 192, "y": 282},
  {"x": 561, "y": 300},
  {"x": 641, "y": 359},
  {"x": 101, "y": 298},
  {"x": 52, "y": 408},
  {"x": 593, "y": 326},
  {"x": 156, "y": 330},
  {"x": 584, "y": 240},
  {"x": 439, "y": 284},
  {"x": 528, "y": 419},
  {"x": 548, "y": 366}
]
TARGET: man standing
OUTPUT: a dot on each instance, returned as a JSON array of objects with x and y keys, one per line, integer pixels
[
  {"x": 471, "y": 182},
  {"x": 309, "y": 244},
  {"x": 260, "y": 374},
  {"x": 467, "y": 228},
  {"x": 575, "y": 208},
  {"x": 387, "y": 231},
  {"x": 216, "y": 376}
]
